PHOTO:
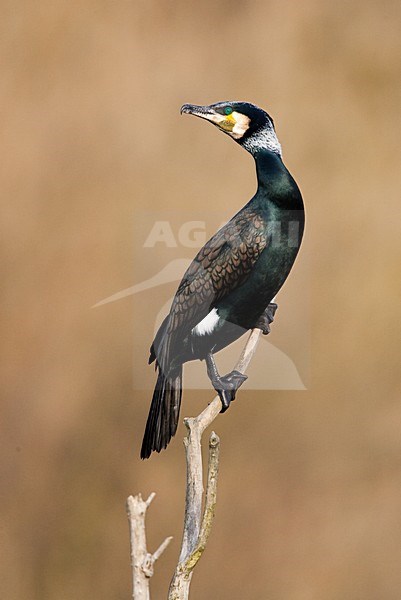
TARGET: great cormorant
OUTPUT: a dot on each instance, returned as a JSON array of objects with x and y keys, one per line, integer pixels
[{"x": 229, "y": 287}]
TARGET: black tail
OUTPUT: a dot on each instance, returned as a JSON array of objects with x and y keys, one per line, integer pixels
[{"x": 163, "y": 414}]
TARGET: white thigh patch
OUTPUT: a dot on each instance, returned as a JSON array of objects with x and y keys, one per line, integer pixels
[{"x": 207, "y": 324}]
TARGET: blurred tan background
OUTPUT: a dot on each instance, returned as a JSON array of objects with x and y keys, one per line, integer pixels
[{"x": 310, "y": 488}]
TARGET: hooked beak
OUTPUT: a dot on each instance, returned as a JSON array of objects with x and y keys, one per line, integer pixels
[
  {"x": 208, "y": 113},
  {"x": 205, "y": 112}
]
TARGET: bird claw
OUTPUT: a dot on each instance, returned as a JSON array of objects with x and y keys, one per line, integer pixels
[
  {"x": 228, "y": 386},
  {"x": 266, "y": 318}
]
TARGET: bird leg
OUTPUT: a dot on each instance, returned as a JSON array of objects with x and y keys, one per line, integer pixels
[
  {"x": 266, "y": 318},
  {"x": 225, "y": 386}
]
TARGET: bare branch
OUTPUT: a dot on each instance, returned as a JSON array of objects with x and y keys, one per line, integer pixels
[
  {"x": 149, "y": 501},
  {"x": 150, "y": 559},
  {"x": 210, "y": 502},
  {"x": 194, "y": 491},
  {"x": 157, "y": 554},
  {"x": 248, "y": 351},
  {"x": 196, "y": 527},
  {"x": 141, "y": 560}
]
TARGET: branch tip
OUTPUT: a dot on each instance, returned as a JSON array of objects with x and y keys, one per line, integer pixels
[
  {"x": 161, "y": 548},
  {"x": 149, "y": 501},
  {"x": 214, "y": 440}
]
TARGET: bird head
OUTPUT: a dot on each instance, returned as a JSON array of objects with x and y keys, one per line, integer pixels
[{"x": 247, "y": 124}]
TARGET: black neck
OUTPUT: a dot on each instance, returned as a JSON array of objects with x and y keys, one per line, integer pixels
[{"x": 275, "y": 181}]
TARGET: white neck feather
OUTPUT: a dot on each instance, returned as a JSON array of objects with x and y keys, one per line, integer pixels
[{"x": 263, "y": 139}]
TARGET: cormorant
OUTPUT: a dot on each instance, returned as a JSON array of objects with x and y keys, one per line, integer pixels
[{"x": 231, "y": 283}]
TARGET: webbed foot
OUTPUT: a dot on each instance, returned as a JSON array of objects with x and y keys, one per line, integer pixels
[{"x": 227, "y": 387}]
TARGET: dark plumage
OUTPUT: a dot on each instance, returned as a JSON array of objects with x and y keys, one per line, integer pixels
[{"x": 230, "y": 284}]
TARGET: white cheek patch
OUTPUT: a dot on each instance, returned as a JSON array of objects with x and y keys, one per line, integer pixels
[
  {"x": 241, "y": 125},
  {"x": 235, "y": 124},
  {"x": 216, "y": 118}
]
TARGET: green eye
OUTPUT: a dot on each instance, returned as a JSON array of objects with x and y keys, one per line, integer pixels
[{"x": 228, "y": 110}]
